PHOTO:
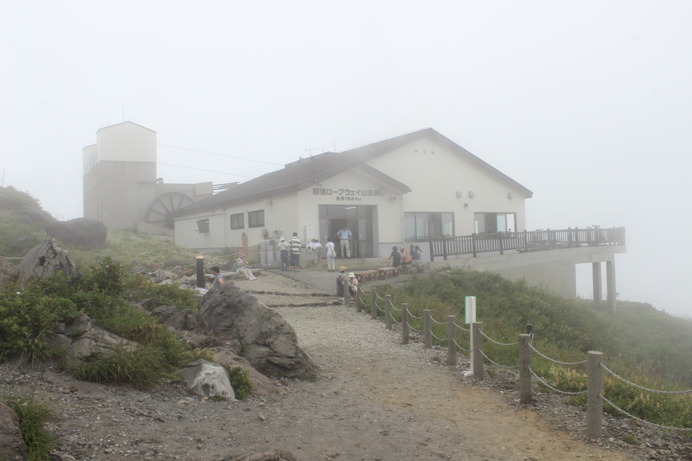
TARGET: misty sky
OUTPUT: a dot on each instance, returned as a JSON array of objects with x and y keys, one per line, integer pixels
[{"x": 586, "y": 103}]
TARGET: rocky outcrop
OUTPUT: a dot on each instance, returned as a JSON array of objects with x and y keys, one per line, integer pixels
[
  {"x": 84, "y": 232},
  {"x": 267, "y": 341},
  {"x": 82, "y": 338},
  {"x": 12, "y": 445},
  {"x": 45, "y": 260}
]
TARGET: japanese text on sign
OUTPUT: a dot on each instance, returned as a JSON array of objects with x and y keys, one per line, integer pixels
[{"x": 346, "y": 194}]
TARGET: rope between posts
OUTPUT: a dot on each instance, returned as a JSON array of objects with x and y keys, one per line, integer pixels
[
  {"x": 685, "y": 429},
  {"x": 553, "y": 360},
  {"x": 686, "y": 391},
  {"x": 413, "y": 329},
  {"x": 545, "y": 383},
  {"x": 497, "y": 342},
  {"x": 394, "y": 308},
  {"x": 437, "y": 337},
  {"x": 497, "y": 364},
  {"x": 461, "y": 348},
  {"x": 414, "y": 317},
  {"x": 378, "y": 296},
  {"x": 460, "y": 327},
  {"x": 379, "y": 308},
  {"x": 435, "y": 321}
]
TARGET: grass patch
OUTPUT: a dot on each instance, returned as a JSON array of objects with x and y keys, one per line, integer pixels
[{"x": 32, "y": 422}]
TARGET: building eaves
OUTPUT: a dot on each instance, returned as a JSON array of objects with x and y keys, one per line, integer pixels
[{"x": 294, "y": 177}]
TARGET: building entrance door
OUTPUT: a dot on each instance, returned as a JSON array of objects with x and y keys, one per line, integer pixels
[{"x": 357, "y": 219}]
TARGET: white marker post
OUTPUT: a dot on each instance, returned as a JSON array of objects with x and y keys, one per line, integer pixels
[{"x": 470, "y": 318}]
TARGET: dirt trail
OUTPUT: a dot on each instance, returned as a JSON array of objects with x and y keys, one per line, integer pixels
[{"x": 376, "y": 400}]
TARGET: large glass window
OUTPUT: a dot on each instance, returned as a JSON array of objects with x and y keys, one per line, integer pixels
[
  {"x": 255, "y": 218},
  {"x": 491, "y": 223},
  {"x": 422, "y": 226},
  {"x": 238, "y": 221}
]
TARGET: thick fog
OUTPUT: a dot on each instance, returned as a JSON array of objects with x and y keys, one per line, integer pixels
[{"x": 586, "y": 103}]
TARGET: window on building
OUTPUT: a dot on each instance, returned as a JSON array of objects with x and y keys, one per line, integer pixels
[
  {"x": 255, "y": 218},
  {"x": 238, "y": 221},
  {"x": 491, "y": 223},
  {"x": 423, "y": 226},
  {"x": 203, "y": 226}
]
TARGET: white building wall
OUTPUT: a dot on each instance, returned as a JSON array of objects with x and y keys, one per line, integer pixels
[
  {"x": 436, "y": 175},
  {"x": 126, "y": 142}
]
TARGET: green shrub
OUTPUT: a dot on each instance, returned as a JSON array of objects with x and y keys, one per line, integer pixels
[
  {"x": 151, "y": 295},
  {"x": 27, "y": 319},
  {"x": 32, "y": 422},
  {"x": 240, "y": 382}
]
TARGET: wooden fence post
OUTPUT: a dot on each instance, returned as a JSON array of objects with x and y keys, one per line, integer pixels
[
  {"x": 427, "y": 328},
  {"x": 199, "y": 262},
  {"x": 373, "y": 303},
  {"x": 594, "y": 390},
  {"x": 388, "y": 320},
  {"x": 477, "y": 350},
  {"x": 451, "y": 340},
  {"x": 359, "y": 292},
  {"x": 404, "y": 323},
  {"x": 525, "y": 368}
]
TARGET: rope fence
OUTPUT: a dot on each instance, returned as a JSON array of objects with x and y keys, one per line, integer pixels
[{"x": 431, "y": 330}]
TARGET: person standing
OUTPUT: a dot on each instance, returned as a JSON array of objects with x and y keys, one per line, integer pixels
[
  {"x": 341, "y": 282},
  {"x": 283, "y": 248},
  {"x": 218, "y": 280},
  {"x": 395, "y": 257},
  {"x": 418, "y": 259},
  {"x": 315, "y": 247},
  {"x": 405, "y": 259},
  {"x": 331, "y": 256},
  {"x": 295, "y": 245},
  {"x": 344, "y": 236}
]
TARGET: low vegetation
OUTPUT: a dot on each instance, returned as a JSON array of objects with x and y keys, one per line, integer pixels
[
  {"x": 33, "y": 417},
  {"x": 646, "y": 346}
]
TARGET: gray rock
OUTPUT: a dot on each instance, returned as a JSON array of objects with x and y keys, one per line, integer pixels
[
  {"x": 206, "y": 379},
  {"x": 267, "y": 341},
  {"x": 45, "y": 260},
  {"x": 12, "y": 445},
  {"x": 261, "y": 385},
  {"x": 83, "y": 338}
]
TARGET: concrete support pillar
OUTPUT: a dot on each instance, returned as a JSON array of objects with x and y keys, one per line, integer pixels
[
  {"x": 597, "y": 287},
  {"x": 610, "y": 281}
]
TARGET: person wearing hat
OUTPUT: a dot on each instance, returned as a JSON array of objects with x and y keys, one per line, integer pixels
[
  {"x": 331, "y": 255},
  {"x": 352, "y": 285},
  {"x": 341, "y": 282},
  {"x": 315, "y": 247},
  {"x": 283, "y": 248}
]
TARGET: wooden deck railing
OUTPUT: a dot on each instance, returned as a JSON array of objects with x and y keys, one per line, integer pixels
[{"x": 525, "y": 241}]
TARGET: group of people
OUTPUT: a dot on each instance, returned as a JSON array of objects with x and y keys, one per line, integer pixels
[
  {"x": 290, "y": 253},
  {"x": 406, "y": 258}
]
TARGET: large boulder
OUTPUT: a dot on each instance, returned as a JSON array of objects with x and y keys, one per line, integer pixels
[
  {"x": 45, "y": 260},
  {"x": 81, "y": 231},
  {"x": 12, "y": 445},
  {"x": 267, "y": 341}
]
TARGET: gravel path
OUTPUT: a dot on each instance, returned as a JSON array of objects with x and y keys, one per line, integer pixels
[{"x": 375, "y": 400}]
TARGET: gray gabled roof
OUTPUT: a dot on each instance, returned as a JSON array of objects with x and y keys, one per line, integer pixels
[
  {"x": 294, "y": 177},
  {"x": 303, "y": 173},
  {"x": 381, "y": 147}
]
